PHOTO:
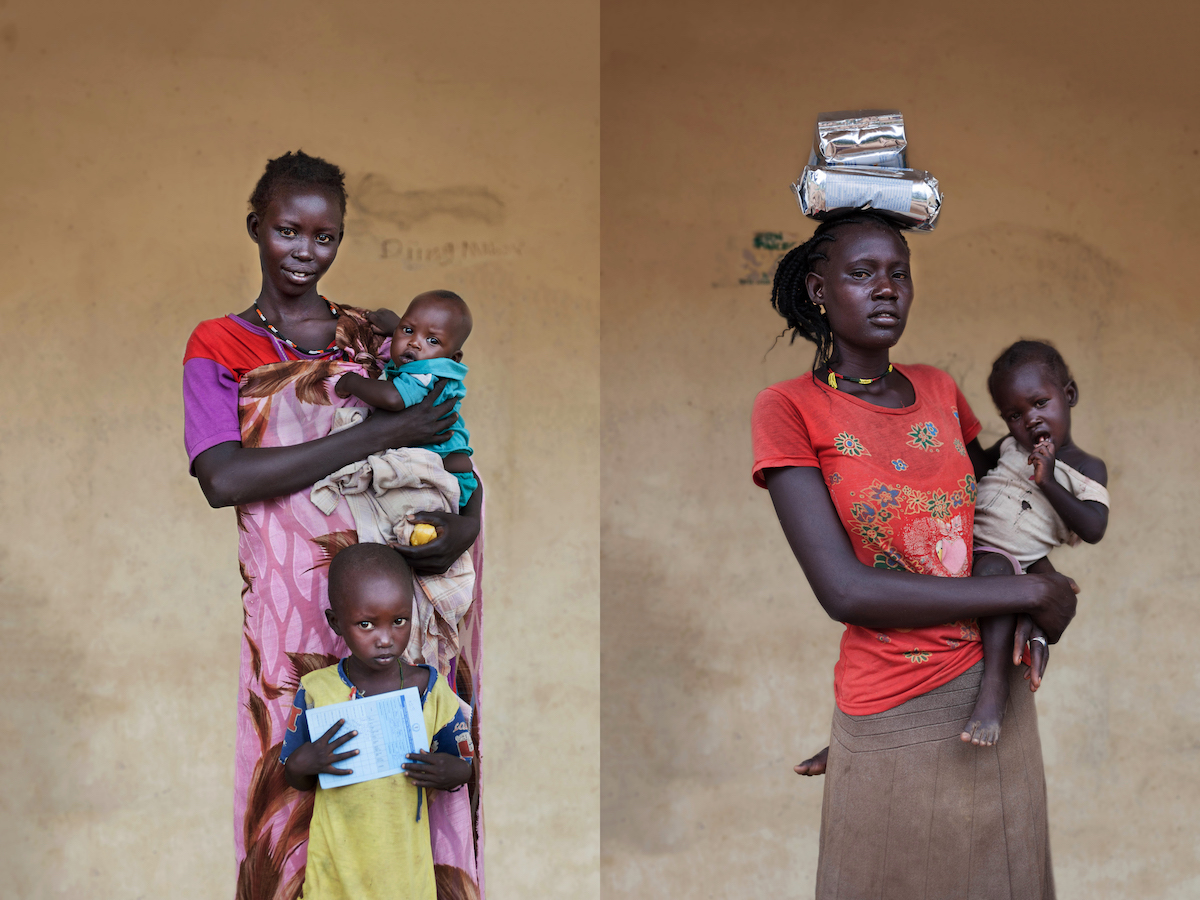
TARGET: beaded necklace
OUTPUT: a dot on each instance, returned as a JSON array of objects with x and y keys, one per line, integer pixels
[
  {"x": 275, "y": 331},
  {"x": 834, "y": 376}
]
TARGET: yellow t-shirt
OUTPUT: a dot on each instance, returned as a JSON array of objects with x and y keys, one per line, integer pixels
[{"x": 365, "y": 842}]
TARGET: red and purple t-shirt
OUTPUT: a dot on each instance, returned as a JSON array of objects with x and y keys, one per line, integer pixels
[
  {"x": 904, "y": 489},
  {"x": 218, "y": 354}
]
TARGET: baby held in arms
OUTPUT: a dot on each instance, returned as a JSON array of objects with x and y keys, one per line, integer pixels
[
  {"x": 427, "y": 353},
  {"x": 1041, "y": 491}
]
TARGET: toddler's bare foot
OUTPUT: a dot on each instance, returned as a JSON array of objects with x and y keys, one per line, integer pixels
[
  {"x": 983, "y": 728},
  {"x": 814, "y": 765}
]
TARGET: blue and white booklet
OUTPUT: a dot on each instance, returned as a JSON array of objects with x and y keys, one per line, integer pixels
[{"x": 389, "y": 727}]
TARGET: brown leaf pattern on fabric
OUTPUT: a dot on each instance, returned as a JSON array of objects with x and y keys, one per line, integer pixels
[
  {"x": 262, "y": 870},
  {"x": 332, "y": 544},
  {"x": 242, "y": 514},
  {"x": 255, "y": 660},
  {"x": 258, "y": 876},
  {"x": 252, "y": 422},
  {"x": 303, "y": 663},
  {"x": 272, "y": 692},
  {"x": 308, "y": 376},
  {"x": 354, "y": 335},
  {"x": 463, "y": 681},
  {"x": 310, "y": 386},
  {"x": 262, "y": 719},
  {"x": 269, "y": 793},
  {"x": 247, "y": 579},
  {"x": 271, "y": 378},
  {"x": 453, "y": 883},
  {"x": 295, "y": 832},
  {"x": 293, "y": 889}
]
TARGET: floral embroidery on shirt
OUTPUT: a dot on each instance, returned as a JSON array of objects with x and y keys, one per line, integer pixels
[
  {"x": 968, "y": 484},
  {"x": 883, "y": 638},
  {"x": 968, "y": 629},
  {"x": 954, "y": 411},
  {"x": 958, "y": 445},
  {"x": 952, "y": 644},
  {"x": 923, "y": 436},
  {"x": 835, "y": 478},
  {"x": 890, "y": 559},
  {"x": 899, "y": 465},
  {"x": 849, "y": 445},
  {"x": 917, "y": 656}
]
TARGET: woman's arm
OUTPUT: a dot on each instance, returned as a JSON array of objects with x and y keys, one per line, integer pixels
[
  {"x": 857, "y": 594},
  {"x": 983, "y": 461},
  {"x": 230, "y": 474}
]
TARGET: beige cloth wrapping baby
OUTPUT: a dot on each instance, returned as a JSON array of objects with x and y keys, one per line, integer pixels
[
  {"x": 381, "y": 491},
  {"x": 1013, "y": 514}
]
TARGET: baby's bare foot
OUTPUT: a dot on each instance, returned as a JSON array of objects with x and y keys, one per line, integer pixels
[
  {"x": 983, "y": 728},
  {"x": 814, "y": 765}
]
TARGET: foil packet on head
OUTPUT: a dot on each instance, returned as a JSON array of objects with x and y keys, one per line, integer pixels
[
  {"x": 862, "y": 137},
  {"x": 909, "y": 197}
]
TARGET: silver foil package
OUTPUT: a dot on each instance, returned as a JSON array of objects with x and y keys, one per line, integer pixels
[
  {"x": 863, "y": 137},
  {"x": 909, "y": 197}
]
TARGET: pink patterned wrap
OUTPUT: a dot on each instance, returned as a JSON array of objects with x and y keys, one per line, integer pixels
[{"x": 284, "y": 549}]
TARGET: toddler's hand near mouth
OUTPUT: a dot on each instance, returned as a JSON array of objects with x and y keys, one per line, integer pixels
[{"x": 1042, "y": 460}]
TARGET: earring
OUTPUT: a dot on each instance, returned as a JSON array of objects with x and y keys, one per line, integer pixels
[{"x": 822, "y": 309}]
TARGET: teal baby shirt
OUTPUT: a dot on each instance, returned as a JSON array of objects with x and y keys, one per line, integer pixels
[{"x": 416, "y": 379}]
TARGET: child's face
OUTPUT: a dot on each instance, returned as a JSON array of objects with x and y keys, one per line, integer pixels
[
  {"x": 429, "y": 329},
  {"x": 374, "y": 617},
  {"x": 1035, "y": 407}
]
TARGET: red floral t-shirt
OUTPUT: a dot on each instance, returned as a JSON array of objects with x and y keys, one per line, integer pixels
[{"x": 904, "y": 488}]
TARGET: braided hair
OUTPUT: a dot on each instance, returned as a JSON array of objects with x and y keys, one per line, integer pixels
[
  {"x": 789, "y": 294},
  {"x": 297, "y": 170},
  {"x": 1041, "y": 353}
]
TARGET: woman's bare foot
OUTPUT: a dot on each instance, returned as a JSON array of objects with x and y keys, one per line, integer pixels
[
  {"x": 814, "y": 765},
  {"x": 983, "y": 729}
]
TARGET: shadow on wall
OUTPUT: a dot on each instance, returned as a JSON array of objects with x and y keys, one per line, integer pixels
[{"x": 372, "y": 195}]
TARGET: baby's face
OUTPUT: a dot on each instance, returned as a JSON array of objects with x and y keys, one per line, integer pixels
[
  {"x": 429, "y": 329},
  {"x": 1035, "y": 407}
]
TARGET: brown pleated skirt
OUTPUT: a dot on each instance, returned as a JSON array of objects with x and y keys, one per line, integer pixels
[{"x": 913, "y": 813}]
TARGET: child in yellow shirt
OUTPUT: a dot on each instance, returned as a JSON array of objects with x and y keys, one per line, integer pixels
[{"x": 370, "y": 841}]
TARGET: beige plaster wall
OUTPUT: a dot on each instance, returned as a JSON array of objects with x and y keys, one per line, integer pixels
[
  {"x": 133, "y": 134},
  {"x": 1065, "y": 137}
]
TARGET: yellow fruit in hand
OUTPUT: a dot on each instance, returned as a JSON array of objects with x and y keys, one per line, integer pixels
[{"x": 422, "y": 534}]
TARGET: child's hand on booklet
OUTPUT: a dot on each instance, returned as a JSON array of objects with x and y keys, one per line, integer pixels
[
  {"x": 439, "y": 771},
  {"x": 309, "y": 760}
]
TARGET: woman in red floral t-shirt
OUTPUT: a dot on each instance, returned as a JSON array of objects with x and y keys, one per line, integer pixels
[{"x": 871, "y": 467}]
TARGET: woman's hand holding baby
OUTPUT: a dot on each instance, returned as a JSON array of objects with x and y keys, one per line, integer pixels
[
  {"x": 309, "y": 760},
  {"x": 420, "y": 425},
  {"x": 439, "y": 771},
  {"x": 1054, "y": 603}
]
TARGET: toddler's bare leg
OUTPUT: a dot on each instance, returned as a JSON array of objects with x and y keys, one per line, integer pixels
[{"x": 983, "y": 728}]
